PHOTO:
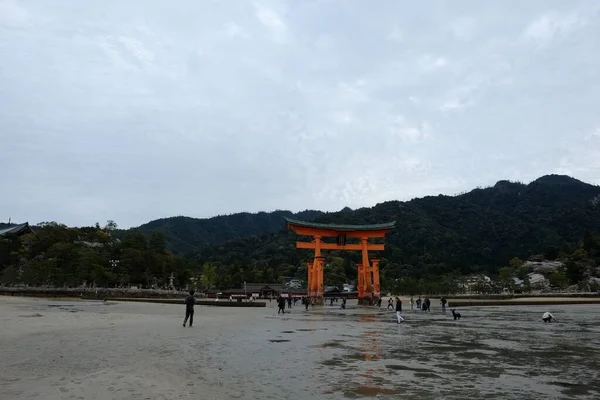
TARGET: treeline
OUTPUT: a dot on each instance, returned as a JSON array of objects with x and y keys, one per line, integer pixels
[
  {"x": 56, "y": 255},
  {"x": 578, "y": 269}
]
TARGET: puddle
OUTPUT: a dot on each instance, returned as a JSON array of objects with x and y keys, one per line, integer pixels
[{"x": 31, "y": 315}]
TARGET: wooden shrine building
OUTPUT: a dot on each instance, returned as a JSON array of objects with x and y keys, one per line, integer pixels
[{"x": 368, "y": 271}]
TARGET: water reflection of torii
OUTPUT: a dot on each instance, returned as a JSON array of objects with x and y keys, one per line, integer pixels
[{"x": 370, "y": 350}]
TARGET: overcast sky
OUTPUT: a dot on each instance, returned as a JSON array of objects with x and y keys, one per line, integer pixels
[{"x": 140, "y": 109}]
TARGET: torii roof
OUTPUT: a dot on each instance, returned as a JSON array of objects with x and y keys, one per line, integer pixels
[{"x": 341, "y": 227}]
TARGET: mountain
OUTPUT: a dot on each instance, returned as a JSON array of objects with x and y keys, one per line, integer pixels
[
  {"x": 186, "y": 235},
  {"x": 477, "y": 231}
]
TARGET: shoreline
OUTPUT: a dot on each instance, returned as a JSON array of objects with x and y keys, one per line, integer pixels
[
  {"x": 199, "y": 302},
  {"x": 159, "y": 296}
]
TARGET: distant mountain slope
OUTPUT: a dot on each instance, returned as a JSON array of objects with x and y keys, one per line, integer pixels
[
  {"x": 187, "y": 235},
  {"x": 481, "y": 229}
]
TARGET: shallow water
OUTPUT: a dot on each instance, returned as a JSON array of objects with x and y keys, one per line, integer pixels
[
  {"x": 496, "y": 352},
  {"x": 133, "y": 350}
]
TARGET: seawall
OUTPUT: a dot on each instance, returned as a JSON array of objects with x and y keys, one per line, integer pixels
[
  {"x": 220, "y": 303},
  {"x": 91, "y": 293}
]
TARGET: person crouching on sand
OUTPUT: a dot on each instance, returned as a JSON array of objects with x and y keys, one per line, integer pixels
[
  {"x": 399, "y": 310},
  {"x": 189, "y": 308},
  {"x": 547, "y": 317}
]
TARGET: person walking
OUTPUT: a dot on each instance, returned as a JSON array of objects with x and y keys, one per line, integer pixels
[
  {"x": 189, "y": 308},
  {"x": 280, "y": 305},
  {"x": 399, "y": 310},
  {"x": 443, "y": 301}
]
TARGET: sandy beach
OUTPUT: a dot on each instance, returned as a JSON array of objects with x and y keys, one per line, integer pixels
[
  {"x": 92, "y": 350},
  {"x": 73, "y": 349}
]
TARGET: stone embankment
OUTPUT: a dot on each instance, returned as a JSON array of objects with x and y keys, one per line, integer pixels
[
  {"x": 204, "y": 302},
  {"x": 112, "y": 294},
  {"x": 92, "y": 293}
]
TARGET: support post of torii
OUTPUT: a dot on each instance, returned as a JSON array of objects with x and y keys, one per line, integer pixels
[{"x": 368, "y": 270}]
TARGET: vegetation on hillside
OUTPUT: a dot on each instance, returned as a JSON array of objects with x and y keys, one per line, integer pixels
[{"x": 437, "y": 240}]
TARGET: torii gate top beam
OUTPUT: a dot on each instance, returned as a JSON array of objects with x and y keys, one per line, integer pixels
[{"x": 332, "y": 230}]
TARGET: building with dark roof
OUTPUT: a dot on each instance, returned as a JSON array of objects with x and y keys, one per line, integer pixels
[{"x": 20, "y": 229}]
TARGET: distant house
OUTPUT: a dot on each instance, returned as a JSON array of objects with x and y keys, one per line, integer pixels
[
  {"x": 535, "y": 278},
  {"x": 475, "y": 282},
  {"x": 264, "y": 290},
  {"x": 21, "y": 229},
  {"x": 348, "y": 287}
]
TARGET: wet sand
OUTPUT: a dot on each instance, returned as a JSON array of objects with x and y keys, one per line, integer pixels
[{"x": 69, "y": 349}]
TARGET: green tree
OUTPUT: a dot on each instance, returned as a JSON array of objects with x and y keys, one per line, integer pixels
[
  {"x": 158, "y": 242},
  {"x": 209, "y": 275},
  {"x": 558, "y": 279}
]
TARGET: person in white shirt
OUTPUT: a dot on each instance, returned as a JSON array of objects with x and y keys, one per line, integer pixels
[{"x": 547, "y": 317}]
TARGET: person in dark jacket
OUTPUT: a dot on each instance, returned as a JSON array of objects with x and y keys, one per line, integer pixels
[
  {"x": 281, "y": 305},
  {"x": 399, "y": 310},
  {"x": 189, "y": 308},
  {"x": 443, "y": 301}
]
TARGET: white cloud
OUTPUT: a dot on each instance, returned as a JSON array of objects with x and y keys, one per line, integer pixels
[
  {"x": 410, "y": 133},
  {"x": 463, "y": 28},
  {"x": 452, "y": 104},
  {"x": 431, "y": 63},
  {"x": 232, "y": 29},
  {"x": 396, "y": 35},
  {"x": 12, "y": 15},
  {"x": 137, "y": 49},
  {"x": 552, "y": 24},
  {"x": 272, "y": 21}
]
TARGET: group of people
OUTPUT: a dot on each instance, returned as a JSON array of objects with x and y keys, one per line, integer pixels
[
  {"x": 424, "y": 305},
  {"x": 306, "y": 301}
]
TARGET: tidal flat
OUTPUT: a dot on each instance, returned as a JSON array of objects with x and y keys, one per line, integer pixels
[{"x": 69, "y": 349}]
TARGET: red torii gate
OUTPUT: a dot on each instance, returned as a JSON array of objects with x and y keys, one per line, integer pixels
[{"x": 368, "y": 271}]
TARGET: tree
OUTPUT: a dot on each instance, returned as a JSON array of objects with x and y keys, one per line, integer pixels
[
  {"x": 588, "y": 242},
  {"x": 110, "y": 225},
  {"x": 551, "y": 253},
  {"x": 575, "y": 271},
  {"x": 558, "y": 279},
  {"x": 209, "y": 275},
  {"x": 158, "y": 242}
]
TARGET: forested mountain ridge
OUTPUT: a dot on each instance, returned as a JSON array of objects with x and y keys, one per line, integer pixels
[
  {"x": 186, "y": 235},
  {"x": 508, "y": 218},
  {"x": 481, "y": 230}
]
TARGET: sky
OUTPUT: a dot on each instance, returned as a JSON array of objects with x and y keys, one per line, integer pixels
[{"x": 144, "y": 109}]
